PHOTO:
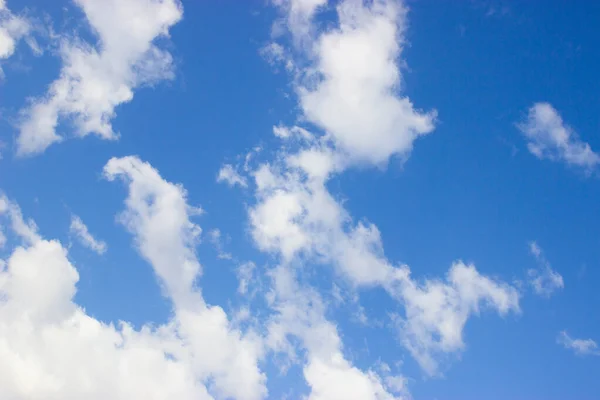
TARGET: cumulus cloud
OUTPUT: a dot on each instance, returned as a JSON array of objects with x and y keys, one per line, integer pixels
[
  {"x": 96, "y": 78},
  {"x": 548, "y": 137},
  {"x": 355, "y": 101},
  {"x": 348, "y": 83},
  {"x": 81, "y": 232},
  {"x": 544, "y": 280},
  {"x": 53, "y": 350},
  {"x": 353, "y": 97},
  {"x": 581, "y": 347},
  {"x": 297, "y": 219},
  {"x": 230, "y": 176},
  {"x": 351, "y": 81}
]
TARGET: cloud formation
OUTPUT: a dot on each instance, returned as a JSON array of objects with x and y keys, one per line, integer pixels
[
  {"x": 348, "y": 83},
  {"x": 581, "y": 347},
  {"x": 216, "y": 239},
  {"x": 54, "y": 350},
  {"x": 348, "y": 79},
  {"x": 355, "y": 100},
  {"x": 81, "y": 232},
  {"x": 548, "y": 137},
  {"x": 12, "y": 29},
  {"x": 158, "y": 216},
  {"x": 352, "y": 96},
  {"x": 230, "y": 176},
  {"x": 436, "y": 312},
  {"x": 544, "y": 280},
  {"x": 300, "y": 314},
  {"x": 96, "y": 78},
  {"x": 297, "y": 219}
]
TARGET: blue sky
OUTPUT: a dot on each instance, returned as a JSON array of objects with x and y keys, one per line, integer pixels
[{"x": 299, "y": 199}]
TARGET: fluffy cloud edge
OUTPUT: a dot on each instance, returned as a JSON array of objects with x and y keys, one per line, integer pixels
[
  {"x": 548, "y": 137},
  {"x": 197, "y": 353},
  {"x": 94, "y": 80}
]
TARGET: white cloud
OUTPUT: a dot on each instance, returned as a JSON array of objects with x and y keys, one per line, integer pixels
[
  {"x": 275, "y": 54},
  {"x": 230, "y": 176},
  {"x": 95, "y": 79},
  {"x": 436, "y": 312},
  {"x": 216, "y": 239},
  {"x": 348, "y": 79},
  {"x": 579, "y": 346},
  {"x": 355, "y": 97},
  {"x": 535, "y": 249},
  {"x": 52, "y": 349},
  {"x": 158, "y": 216},
  {"x": 296, "y": 218},
  {"x": 300, "y": 313},
  {"x": 245, "y": 273},
  {"x": 81, "y": 232},
  {"x": 284, "y": 132},
  {"x": 298, "y": 15},
  {"x": 12, "y": 29},
  {"x": 27, "y": 230},
  {"x": 548, "y": 137},
  {"x": 544, "y": 280}
]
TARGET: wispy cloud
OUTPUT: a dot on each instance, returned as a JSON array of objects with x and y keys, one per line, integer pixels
[
  {"x": 544, "y": 280},
  {"x": 230, "y": 176},
  {"x": 81, "y": 232},
  {"x": 548, "y": 137},
  {"x": 579, "y": 346},
  {"x": 245, "y": 273},
  {"x": 216, "y": 238}
]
